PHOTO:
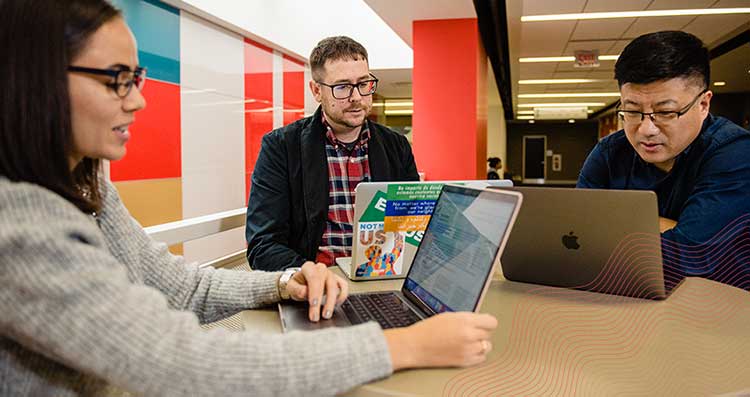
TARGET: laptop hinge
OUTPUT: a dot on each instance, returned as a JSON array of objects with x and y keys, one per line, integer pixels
[{"x": 414, "y": 300}]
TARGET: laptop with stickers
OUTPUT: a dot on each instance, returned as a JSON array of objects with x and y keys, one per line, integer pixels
[{"x": 390, "y": 220}]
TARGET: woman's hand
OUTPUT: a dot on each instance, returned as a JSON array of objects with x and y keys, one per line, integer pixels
[
  {"x": 313, "y": 283},
  {"x": 444, "y": 340}
]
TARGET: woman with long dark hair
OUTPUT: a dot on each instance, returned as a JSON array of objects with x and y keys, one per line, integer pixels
[{"x": 90, "y": 304}]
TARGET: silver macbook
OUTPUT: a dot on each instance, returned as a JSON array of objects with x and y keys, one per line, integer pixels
[
  {"x": 451, "y": 271},
  {"x": 389, "y": 223},
  {"x": 596, "y": 240}
]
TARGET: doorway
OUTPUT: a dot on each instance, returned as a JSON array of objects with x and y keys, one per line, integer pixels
[{"x": 534, "y": 158}]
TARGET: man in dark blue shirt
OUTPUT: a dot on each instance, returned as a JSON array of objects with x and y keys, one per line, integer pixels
[{"x": 698, "y": 164}]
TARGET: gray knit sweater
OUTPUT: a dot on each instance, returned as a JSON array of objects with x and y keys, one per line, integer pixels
[{"x": 86, "y": 309}]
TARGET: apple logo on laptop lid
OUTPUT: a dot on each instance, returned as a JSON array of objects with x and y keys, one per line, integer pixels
[{"x": 570, "y": 241}]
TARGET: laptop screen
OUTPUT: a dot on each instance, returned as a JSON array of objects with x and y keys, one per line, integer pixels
[{"x": 459, "y": 247}]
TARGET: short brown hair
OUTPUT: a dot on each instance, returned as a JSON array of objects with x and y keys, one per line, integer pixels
[{"x": 333, "y": 49}]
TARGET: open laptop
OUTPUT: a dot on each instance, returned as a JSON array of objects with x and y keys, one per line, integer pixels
[
  {"x": 452, "y": 268},
  {"x": 389, "y": 223},
  {"x": 596, "y": 240}
]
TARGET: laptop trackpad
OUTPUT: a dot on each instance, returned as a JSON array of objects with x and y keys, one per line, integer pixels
[{"x": 294, "y": 316}]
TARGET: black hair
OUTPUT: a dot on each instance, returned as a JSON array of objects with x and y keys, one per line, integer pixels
[
  {"x": 38, "y": 40},
  {"x": 494, "y": 161},
  {"x": 333, "y": 49},
  {"x": 664, "y": 55}
]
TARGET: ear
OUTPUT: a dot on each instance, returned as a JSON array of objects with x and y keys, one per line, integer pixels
[
  {"x": 315, "y": 90},
  {"x": 705, "y": 103}
]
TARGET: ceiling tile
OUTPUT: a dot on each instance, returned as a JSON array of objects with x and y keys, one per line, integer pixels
[
  {"x": 731, "y": 4},
  {"x": 545, "y": 38},
  {"x": 602, "y": 46},
  {"x": 532, "y": 71},
  {"x": 656, "y": 24},
  {"x": 602, "y": 74},
  {"x": 618, "y": 46},
  {"x": 679, "y": 4},
  {"x": 598, "y": 29},
  {"x": 711, "y": 28},
  {"x": 544, "y": 7},
  {"x": 607, "y": 6}
]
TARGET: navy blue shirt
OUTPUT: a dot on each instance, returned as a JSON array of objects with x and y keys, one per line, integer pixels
[{"x": 707, "y": 189}]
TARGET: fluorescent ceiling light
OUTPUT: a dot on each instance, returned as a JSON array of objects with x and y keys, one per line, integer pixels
[
  {"x": 525, "y": 112},
  {"x": 400, "y": 112},
  {"x": 559, "y": 105},
  {"x": 525, "y": 117},
  {"x": 634, "y": 14},
  {"x": 389, "y": 103},
  {"x": 563, "y": 59},
  {"x": 571, "y": 95},
  {"x": 720, "y": 83},
  {"x": 560, "y": 81},
  {"x": 398, "y": 103}
]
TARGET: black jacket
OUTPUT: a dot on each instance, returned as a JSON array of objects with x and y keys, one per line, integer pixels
[{"x": 288, "y": 204}]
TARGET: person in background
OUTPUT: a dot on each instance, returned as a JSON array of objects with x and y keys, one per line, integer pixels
[
  {"x": 696, "y": 163},
  {"x": 90, "y": 304},
  {"x": 495, "y": 167},
  {"x": 301, "y": 204}
]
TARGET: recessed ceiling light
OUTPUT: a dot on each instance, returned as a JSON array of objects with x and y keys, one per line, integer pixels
[
  {"x": 560, "y": 104},
  {"x": 563, "y": 59},
  {"x": 571, "y": 95},
  {"x": 589, "y": 111},
  {"x": 560, "y": 81},
  {"x": 399, "y": 103},
  {"x": 571, "y": 121},
  {"x": 531, "y": 121},
  {"x": 634, "y": 14},
  {"x": 720, "y": 83}
]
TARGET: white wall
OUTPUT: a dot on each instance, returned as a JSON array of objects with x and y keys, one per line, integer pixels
[{"x": 213, "y": 130}]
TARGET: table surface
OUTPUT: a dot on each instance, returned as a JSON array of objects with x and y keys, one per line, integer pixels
[{"x": 555, "y": 341}]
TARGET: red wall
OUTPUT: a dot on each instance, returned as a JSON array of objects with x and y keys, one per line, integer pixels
[
  {"x": 258, "y": 102},
  {"x": 154, "y": 150},
  {"x": 450, "y": 101}
]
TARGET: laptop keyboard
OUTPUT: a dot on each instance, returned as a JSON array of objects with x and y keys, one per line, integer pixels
[{"x": 386, "y": 308}]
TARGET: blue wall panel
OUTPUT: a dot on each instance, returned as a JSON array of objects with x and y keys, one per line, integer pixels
[{"x": 157, "y": 29}]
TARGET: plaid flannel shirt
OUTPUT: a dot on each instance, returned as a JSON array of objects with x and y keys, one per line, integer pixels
[{"x": 346, "y": 169}]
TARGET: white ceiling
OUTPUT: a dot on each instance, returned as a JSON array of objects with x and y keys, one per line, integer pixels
[
  {"x": 296, "y": 26},
  {"x": 399, "y": 16},
  {"x": 562, "y": 38}
]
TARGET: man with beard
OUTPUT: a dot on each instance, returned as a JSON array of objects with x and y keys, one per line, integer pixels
[{"x": 302, "y": 197}]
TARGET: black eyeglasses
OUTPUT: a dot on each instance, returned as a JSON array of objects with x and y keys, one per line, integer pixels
[
  {"x": 634, "y": 117},
  {"x": 124, "y": 79},
  {"x": 345, "y": 90}
]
